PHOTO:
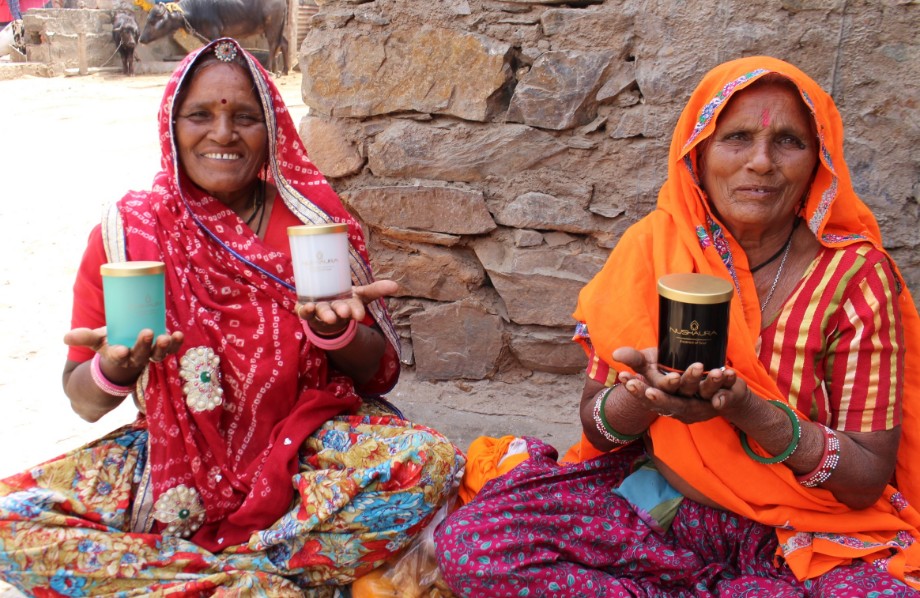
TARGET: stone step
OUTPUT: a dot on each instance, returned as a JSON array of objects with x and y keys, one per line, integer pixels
[{"x": 15, "y": 70}]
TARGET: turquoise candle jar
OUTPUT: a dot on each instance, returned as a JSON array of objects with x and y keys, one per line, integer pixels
[{"x": 135, "y": 299}]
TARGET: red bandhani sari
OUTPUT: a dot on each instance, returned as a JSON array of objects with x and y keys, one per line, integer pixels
[
  {"x": 255, "y": 464},
  {"x": 245, "y": 348}
]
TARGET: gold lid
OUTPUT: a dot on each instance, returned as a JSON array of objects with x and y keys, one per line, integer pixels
[
  {"x": 701, "y": 289},
  {"x": 317, "y": 229},
  {"x": 132, "y": 268}
]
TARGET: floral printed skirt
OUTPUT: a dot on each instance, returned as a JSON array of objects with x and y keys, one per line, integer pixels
[
  {"x": 551, "y": 530},
  {"x": 367, "y": 486}
]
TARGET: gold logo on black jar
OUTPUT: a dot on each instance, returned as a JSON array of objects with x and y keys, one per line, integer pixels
[{"x": 693, "y": 331}]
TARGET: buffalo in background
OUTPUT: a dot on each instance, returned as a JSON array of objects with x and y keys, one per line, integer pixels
[
  {"x": 211, "y": 19},
  {"x": 125, "y": 34}
]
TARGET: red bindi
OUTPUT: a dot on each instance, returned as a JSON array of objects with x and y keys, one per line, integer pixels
[
  {"x": 223, "y": 101},
  {"x": 765, "y": 118}
]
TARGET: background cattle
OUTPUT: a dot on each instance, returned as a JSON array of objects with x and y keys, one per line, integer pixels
[
  {"x": 125, "y": 33},
  {"x": 211, "y": 19}
]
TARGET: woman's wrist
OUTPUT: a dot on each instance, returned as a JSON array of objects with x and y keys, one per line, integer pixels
[
  {"x": 603, "y": 426},
  {"x": 789, "y": 449},
  {"x": 620, "y": 407},
  {"x": 104, "y": 383},
  {"x": 335, "y": 342}
]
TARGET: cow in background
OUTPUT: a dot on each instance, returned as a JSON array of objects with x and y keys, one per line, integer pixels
[
  {"x": 211, "y": 19},
  {"x": 125, "y": 33}
]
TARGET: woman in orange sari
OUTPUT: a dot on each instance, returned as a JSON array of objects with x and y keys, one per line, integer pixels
[{"x": 785, "y": 472}]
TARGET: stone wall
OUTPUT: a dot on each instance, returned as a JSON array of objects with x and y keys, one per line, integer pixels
[
  {"x": 63, "y": 38},
  {"x": 495, "y": 151}
]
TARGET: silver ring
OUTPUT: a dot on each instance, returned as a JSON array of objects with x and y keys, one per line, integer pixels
[
  {"x": 665, "y": 414},
  {"x": 152, "y": 360}
]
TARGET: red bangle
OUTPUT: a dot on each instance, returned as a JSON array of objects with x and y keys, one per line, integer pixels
[
  {"x": 336, "y": 342},
  {"x": 107, "y": 386},
  {"x": 828, "y": 463}
]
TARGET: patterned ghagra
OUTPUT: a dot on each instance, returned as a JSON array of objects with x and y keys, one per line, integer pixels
[
  {"x": 550, "y": 531},
  {"x": 366, "y": 485}
]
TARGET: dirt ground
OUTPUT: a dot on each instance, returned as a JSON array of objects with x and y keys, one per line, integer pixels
[{"x": 69, "y": 146}]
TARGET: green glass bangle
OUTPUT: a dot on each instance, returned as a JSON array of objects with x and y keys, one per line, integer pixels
[
  {"x": 796, "y": 436},
  {"x": 606, "y": 424}
]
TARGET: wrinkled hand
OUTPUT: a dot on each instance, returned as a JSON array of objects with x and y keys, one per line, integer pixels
[
  {"x": 329, "y": 318},
  {"x": 689, "y": 397},
  {"x": 126, "y": 363}
]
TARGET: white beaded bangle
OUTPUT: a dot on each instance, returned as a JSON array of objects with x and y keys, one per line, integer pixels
[
  {"x": 107, "y": 386},
  {"x": 601, "y": 421},
  {"x": 828, "y": 464}
]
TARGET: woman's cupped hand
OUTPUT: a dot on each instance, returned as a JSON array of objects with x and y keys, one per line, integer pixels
[
  {"x": 132, "y": 360},
  {"x": 331, "y": 317},
  {"x": 692, "y": 396}
]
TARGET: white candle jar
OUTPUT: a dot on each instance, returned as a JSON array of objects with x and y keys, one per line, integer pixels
[{"x": 321, "y": 267}]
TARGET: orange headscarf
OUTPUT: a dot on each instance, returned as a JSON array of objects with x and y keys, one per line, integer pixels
[{"x": 619, "y": 307}]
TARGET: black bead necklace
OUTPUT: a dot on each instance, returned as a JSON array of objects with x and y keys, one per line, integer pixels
[
  {"x": 259, "y": 204},
  {"x": 781, "y": 250}
]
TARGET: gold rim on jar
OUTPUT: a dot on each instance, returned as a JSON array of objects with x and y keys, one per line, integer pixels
[
  {"x": 139, "y": 268},
  {"x": 316, "y": 229},
  {"x": 699, "y": 289}
]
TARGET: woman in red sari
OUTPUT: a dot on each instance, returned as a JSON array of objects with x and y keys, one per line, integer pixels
[
  {"x": 789, "y": 473},
  {"x": 263, "y": 459}
]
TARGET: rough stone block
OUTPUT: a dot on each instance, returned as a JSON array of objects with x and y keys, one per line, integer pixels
[
  {"x": 352, "y": 74},
  {"x": 463, "y": 152},
  {"x": 423, "y": 207},
  {"x": 456, "y": 340}
]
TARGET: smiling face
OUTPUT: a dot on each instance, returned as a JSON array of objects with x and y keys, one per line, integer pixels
[
  {"x": 221, "y": 134},
  {"x": 759, "y": 161}
]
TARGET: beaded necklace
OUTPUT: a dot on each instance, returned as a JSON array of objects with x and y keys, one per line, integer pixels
[
  {"x": 785, "y": 252},
  {"x": 259, "y": 205}
]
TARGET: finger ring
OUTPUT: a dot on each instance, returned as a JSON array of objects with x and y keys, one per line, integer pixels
[
  {"x": 152, "y": 360},
  {"x": 665, "y": 414}
]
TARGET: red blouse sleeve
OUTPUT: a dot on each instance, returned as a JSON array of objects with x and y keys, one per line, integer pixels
[
  {"x": 88, "y": 305},
  {"x": 597, "y": 369}
]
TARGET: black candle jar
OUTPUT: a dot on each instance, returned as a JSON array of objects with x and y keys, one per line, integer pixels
[{"x": 692, "y": 321}]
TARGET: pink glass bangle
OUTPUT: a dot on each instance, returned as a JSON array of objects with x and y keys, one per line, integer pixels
[
  {"x": 108, "y": 387},
  {"x": 336, "y": 342}
]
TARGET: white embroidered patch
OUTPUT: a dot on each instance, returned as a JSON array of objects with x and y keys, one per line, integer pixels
[
  {"x": 199, "y": 367},
  {"x": 181, "y": 510}
]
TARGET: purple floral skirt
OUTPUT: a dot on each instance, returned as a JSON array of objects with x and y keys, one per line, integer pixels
[{"x": 546, "y": 529}]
